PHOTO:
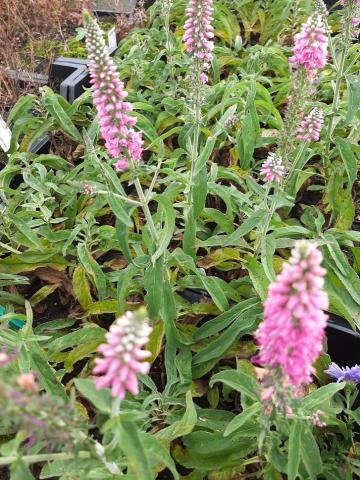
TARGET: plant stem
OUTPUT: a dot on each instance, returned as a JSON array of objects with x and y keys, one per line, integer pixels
[
  {"x": 193, "y": 158},
  {"x": 46, "y": 457},
  {"x": 336, "y": 99},
  {"x": 146, "y": 210},
  {"x": 194, "y": 153},
  {"x": 339, "y": 77},
  {"x": 294, "y": 164},
  {"x": 266, "y": 225},
  {"x": 115, "y": 409},
  {"x": 169, "y": 44},
  {"x": 117, "y": 195}
]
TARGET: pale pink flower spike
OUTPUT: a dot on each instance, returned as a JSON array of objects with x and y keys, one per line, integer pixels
[
  {"x": 310, "y": 127},
  {"x": 199, "y": 33},
  {"x": 291, "y": 336},
  {"x": 311, "y": 44},
  {"x": 273, "y": 168},
  {"x": 123, "y": 355},
  {"x": 121, "y": 140}
]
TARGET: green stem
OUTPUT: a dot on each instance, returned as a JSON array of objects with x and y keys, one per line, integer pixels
[
  {"x": 146, "y": 210},
  {"x": 294, "y": 164},
  {"x": 46, "y": 457},
  {"x": 194, "y": 156},
  {"x": 266, "y": 226},
  {"x": 335, "y": 105},
  {"x": 169, "y": 45},
  {"x": 121, "y": 197},
  {"x": 339, "y": 77},
  {"x": 189, "y": 232},
  {"x": 115, "y": 409}
]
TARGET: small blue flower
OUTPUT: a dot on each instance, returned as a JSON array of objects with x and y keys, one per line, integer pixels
[{"x": 345, "y": 374}]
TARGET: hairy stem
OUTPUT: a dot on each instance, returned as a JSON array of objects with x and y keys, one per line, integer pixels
[
  {"x": 46, "y": 457},
  {"x": 146, "y": 210}
]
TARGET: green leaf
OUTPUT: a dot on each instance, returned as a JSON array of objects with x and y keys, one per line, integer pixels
[
  {"x": 189, "y": 236},
  {"x": 7, "y": 279},
  {"x": 215, "y": 325},
  {"x": 258, "y": 276},
  {"x": 116, "y": 205},
  {"x": 320, "y": 398},
  {"x": 246, "y": 139},
  {"x": 310, "y": 454},
  {"x": 181, "y": 427},
  {"x": 158, "y": 454},
  {"x": 348, "y": 158},
  {"x": 130, "y": 443},
  {"x": 239, "y": 381},
  {"x": 79, "y": 337},
  {"x": 81, "y": 287},
  {"x": 11, "y": 447},
  {"x": 54, "y": 107},
  {"x": 199, "y": 192},
  {"x": 204, "y": 155},
  {"x": 294, "y": 450},
  {"x": 353, "y": 104},
  {"x": 124, "y": 285},
  {"x": 249, "y": 224},
  {"x": 244, "y": 323},
  {"x": 155, "y": 341},
  {"x": 267, "y": 252},
  {"x": 20, "y": 471},
  {"x": 93, "y": 269},
  {"x": 21, "y": 108},
  {"x": 248, "y": 414},
  {"x": 169, "y": 225},
  {"x": 213, "y": 286},
  {"x": 26, "y": 231},
  {"x": 47, "y": 376},
  {"x": 80, "y": 352},
  {"x": 42, "y": 294},
  {"x": 153, "y": 283},
  {"x": 101, "y": 399}
]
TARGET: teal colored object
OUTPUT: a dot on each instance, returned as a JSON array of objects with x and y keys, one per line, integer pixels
[{"x": 15, "y": 323}]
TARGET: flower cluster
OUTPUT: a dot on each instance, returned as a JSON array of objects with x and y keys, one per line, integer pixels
[
  {"x": 46, "y": 420},
  {"x": 199, "y": 33},
  {"x": 316, "y": 419},
  {"x": 345, "y": 374},
  {"x": 273, "y": 168},
  {"x": 311, "y": 125},
  {"x": 311, "y": 44},
  {"x": 351, "y": 16},
  {"x": 321, "y": 8},
  {"x": 291, "y": 335},
  {"x": 121, "y": 140},
  {"x": 123, "y": 355}
]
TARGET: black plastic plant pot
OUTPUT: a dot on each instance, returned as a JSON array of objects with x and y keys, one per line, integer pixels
[
  {"x": 42, "y": 146},
  {"x": 72, "y": 76},
  {"x": 331, "y": 3},
  {"x": 343, "y": 342},
  {"x": 356, "y": 225}
]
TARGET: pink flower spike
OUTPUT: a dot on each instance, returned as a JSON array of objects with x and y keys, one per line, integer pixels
[
  {"x": 116, "y": 125},
  {"x": 199, "y": 33},
  {"x": 123, "y": 355},
  {"x": 311, "y": 44},
  {"x": 273, "y": 168},
  {"x": 291, "y": 336},
  {"x": 310, "y": 127}
]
